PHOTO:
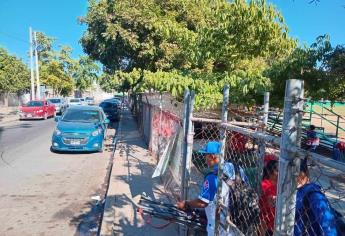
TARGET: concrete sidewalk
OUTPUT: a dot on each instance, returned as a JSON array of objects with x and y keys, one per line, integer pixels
[
  {"x": 8, "y": 114},
  {"x": 131, "y": 175}
]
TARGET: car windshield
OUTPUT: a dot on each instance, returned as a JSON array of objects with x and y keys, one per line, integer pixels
[
  {"x": 55, "y": 100},
  {"x": 81, "y": 116},
  {"x": 35, "y": 104},
  {"x": 74, "y": 100},
  {"x": 114, "y": 101},
  {"x": 105, "y": 105}
]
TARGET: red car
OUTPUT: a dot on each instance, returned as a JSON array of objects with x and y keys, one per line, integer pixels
[{"x": 39, "y": 109}]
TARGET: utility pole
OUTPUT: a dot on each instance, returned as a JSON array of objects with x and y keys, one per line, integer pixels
[
  {"x": 38, "y": 93},
  {"x": 32, "y": 68}
]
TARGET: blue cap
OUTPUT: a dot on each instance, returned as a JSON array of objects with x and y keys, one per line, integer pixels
[{"x": 212, "y": 147}]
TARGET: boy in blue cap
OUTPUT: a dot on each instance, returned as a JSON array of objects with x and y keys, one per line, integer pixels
[{"x": 206, "y": 198}]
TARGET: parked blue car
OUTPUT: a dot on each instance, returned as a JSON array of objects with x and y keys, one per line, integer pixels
[{"x": 81, "y": 128}]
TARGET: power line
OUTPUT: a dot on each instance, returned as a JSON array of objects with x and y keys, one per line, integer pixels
[{"x": 14, "y": 37}]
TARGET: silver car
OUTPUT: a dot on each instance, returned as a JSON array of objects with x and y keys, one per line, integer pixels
[{"x": 59, "y": 103}]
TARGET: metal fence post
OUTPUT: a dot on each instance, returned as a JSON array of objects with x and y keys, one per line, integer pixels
[
  {"x": 160, "y": 127},
  {"x": 140, "y": 118},
  {"x": 266, "y": 107},
  {"x": 337, "y": 130},
  {"x": 262, "y": 144},
  {"x": 221, "y": 161},
  {"x": 188, "y": 141},
  {"x": 288, "y": 168},
  {"x": 188, "y": 103},
  {"x": 186, "y": 98}
]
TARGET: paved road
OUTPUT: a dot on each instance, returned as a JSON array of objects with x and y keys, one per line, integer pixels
[{"x": 43, "y": 193}]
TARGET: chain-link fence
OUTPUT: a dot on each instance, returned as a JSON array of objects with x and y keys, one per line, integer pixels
[
  {"x": 275, "y": 187},
  {"x": 159, "y": 120},
  {"x": 267, "y": 185}
]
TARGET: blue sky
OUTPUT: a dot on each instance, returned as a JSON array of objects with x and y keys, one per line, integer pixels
[
  {"x": 307, "y": 21},
  {"x": 58, "y": 18}
]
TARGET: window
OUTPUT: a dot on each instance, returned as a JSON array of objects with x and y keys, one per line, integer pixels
[{"x": 35, "y": 104}]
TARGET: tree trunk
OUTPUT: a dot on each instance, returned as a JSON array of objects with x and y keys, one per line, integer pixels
[{"x": 6, "y": 99}]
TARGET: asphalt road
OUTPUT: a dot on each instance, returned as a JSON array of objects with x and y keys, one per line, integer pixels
[{"x": 44, "y": 193}]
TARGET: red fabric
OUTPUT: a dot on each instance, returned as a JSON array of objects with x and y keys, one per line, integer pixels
[
  {"x": 341, "y": 146},
  {"x": 267, "y": 213},
  {"x": 269, "y": 157},
  {"x": 238, "y": 142}
]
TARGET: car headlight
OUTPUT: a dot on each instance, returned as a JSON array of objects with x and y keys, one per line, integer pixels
[
  {"x": 57, "y": 132},
  {"x": 95, "y": 133}
]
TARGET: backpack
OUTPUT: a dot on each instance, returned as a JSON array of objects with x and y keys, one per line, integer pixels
[
  {"x": 339, "y": 219},
  {"x": 243, "y": 208}
]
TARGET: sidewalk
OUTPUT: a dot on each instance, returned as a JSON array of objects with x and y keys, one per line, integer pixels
[
  {"x": 131, "y": 175},
  {"x": 8, "y": 114}
]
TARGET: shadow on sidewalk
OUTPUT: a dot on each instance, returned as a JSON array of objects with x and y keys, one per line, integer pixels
[{"x": 133, "y": 226}]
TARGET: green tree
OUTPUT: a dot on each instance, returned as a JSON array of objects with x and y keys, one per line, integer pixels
[
  {"x": 176, "y": 34},
  {"x": 85, "y": 73},
  {"x": 211, "y": 42},
  {"x": 53, "y": 75},
  {"x": 14, "y": 74},
  {"x": 60, "y": 71},
  {"x": 321, "y": 67}
]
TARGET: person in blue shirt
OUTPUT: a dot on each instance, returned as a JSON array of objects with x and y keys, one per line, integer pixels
[
  {"x": 313, "y": 141},
  {"x": 314, "y": 215},
  {"x": 206, "y": 198}
]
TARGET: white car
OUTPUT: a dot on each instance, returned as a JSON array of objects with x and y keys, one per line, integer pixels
[
  {"x": 83, "y": 101},
  {"x": 90, "y": 100},
  {"x": 75, "y": 102}
]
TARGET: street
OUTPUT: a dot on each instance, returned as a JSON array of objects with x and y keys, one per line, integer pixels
[{"x": 45, "y": 193}]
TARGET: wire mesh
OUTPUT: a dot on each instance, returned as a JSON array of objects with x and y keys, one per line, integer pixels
[
  {"x": 204, "y": 132},
  {"x": 320, "y": 199},
  {"x": 248, "y": 195},
  {"x": 159, "y": 120},
  {"x": 321, "y": 214},
  {"x": 249, "y": 205}
]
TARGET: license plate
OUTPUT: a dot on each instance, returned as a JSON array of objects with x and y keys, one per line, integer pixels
[{"x": 75, "y": 142}]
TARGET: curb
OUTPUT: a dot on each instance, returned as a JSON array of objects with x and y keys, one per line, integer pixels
[{"x": 107, "y": 218}]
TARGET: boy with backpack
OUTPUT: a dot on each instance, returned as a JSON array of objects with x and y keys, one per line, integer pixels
[
  {"x": 314, "y": 214},
  {"x": 233, "y": 187}
]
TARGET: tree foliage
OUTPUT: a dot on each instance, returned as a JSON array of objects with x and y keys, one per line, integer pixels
[
  {"x": 85, "y": 73},
  {"x": 14, "y": 74},
  {"x": 60, "y": 71},
  {"x": 321, "y": 66},
  {"x": 176, "y": 44}
]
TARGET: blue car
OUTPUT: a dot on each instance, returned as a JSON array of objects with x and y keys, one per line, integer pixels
[{"x": 81, "y": 128}]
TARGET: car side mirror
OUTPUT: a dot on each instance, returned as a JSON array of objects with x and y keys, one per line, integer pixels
[
  {"x": 57, "y": 118},
  {"x": 106, "y": 121}
]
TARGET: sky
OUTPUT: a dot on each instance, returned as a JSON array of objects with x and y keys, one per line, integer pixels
[{"x": 58, "y": 18}]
